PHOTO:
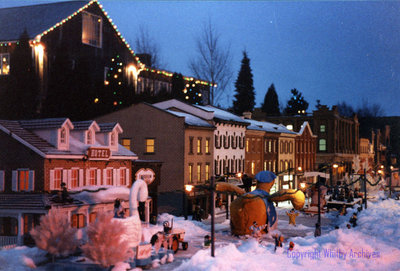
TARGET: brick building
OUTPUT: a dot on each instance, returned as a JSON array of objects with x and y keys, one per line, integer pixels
[{"x": 38, "y": 156}]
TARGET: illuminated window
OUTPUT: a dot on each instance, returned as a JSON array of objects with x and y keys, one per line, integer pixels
[
  {"x": 109, "y": 176},
  {"x": 207, "y": 146},
  {"x": 74, "y": 178},
  {"x": 190, "y": 173},
  {"x": 207, "y": 171},
  {"x": 198, "y": 172},
  {"x": 4, "y": 64},
  {"x": 253, "y": 168},
  {"x": 322, "y": 144},
  {"x": 126, "y": 142},
  {"x": 23, "y": 180},
  {"x": 247, "y": 145},
  {"x": 322, "y": 128},
  {"x": 199, "y": 146},
  {"x": 150, "y": 142},
  {"x": 269, "y": 145},
  {"x": 122, "y": 176},
  {"x": 78, "y": 221},
  {"x": 91, "y": 29},
  {"x": 57, "y": 179}
]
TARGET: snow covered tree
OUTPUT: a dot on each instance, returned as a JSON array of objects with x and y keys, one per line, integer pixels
[
  {"x": 55, "y": 235},
  {"x": 105, "y": 245},
  {"x": 296, "y": 105},
  {"x": 245, "y": 95},
  {"x": 271, "y": 103}
]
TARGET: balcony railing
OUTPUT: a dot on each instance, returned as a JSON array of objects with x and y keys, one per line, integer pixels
[{"x": 8, "y": 241}]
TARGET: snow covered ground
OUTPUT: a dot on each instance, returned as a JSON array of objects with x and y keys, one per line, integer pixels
[{"x": 372, "y": 245}]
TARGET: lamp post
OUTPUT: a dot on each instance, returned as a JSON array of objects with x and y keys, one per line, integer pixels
[
  {"x": 212, "y": 188},
  {"x": 188, "y": 189},
  {"x": 336, "y": 166}
]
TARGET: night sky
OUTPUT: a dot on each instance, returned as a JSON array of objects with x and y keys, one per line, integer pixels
[{"x": 331, "y": 51}]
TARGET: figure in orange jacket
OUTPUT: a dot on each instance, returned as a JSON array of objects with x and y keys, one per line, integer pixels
[{"x": 292, "y": 217}]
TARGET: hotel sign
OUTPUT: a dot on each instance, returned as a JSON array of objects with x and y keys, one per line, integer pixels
[{"x": 99, "y": 153}]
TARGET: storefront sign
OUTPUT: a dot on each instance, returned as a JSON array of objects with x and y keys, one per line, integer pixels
[
  {"x": 147, "y": 173},
  {"x": 98, "y": 153}
]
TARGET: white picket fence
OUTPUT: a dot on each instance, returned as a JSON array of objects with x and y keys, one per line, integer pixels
[{"x": 8, "y": 241}]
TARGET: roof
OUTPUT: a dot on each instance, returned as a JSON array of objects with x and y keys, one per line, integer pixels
[
  {"x": 191, "y": 120},
  {"x": 85, "y": 125},
  {"x": 267, "y": 127},
  {"x": 23, "y": 131},
  {"x": 34, "y": 124},
  {"x": 24, "y": 201},
  {"x": 107, "y": 127},
  {"x": 220, "y": 114},
  {"x": 35, "y": 19}
]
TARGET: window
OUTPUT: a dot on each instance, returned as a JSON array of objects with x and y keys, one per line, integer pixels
[
  {"x": 122, "y": 176},
  {"x": 199, "y": 146},
  {"x": 150, "y": 142},
  {"x": 57, "y": 179},
  {"x": 63, "y": 136},
  {"x": 126, "y": 142},
  {"x": 89, "y": 137},
  {"x": 2, "y": 184},
  {"x": 207, "y": 171},
  {"x": 74, "y": 178},
  {"x": 199, "y": 172},
  {"x": 253, "y": 168},
  {"x": 269, "y": 146},
  {"x": 190, "y": 173},
  {"x": 113, "y": 139},
  {"x": 191, "y": 145},
  {"x": 92, "y": 177},
  {"x": 4, "y": 64},
  {"x": 322, "y": 144},
  {"x": 92, "y": 217},
  {"x": 91, "y": 29},
  {"x": 23, "y": 180},
  {"x": 322, "y": 128},
  {"x": 247, "y": 145},
  {"x": 78, "y": 221},
  {"x": 207, "y": 146},
  {"x": 109, "y": 176}
]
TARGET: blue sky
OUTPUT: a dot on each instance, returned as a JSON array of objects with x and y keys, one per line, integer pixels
[{"x": 328, "y": 50}]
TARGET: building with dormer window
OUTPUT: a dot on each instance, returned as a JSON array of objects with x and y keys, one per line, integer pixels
[{"x": 38, "y": 156}]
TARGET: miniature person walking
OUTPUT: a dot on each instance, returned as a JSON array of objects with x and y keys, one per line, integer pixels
[
  {"x": 291, "y": 246},
  {"x": 292, "y": 217},
  {"x": 278, "y": 240},
  {"x": 118, "y": 209}
]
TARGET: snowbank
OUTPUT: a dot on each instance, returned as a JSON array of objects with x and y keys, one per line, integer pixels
[
  {"x": 372, "y": 245},
  {"x": 21, "y": 258}
]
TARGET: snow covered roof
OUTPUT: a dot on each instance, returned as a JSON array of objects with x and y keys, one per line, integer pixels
[
  {"x": 303, "y": 128},
  {"x": 24, "y": 132},
  {"x": 34, "y": 19},
  {"x": 267, "y": 127},
  {"x": 220, "y": 114},
  {"x": 103, "y": 194},
  {"x": 191, "y": 120}
]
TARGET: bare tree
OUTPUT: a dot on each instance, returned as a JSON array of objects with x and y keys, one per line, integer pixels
[
  {"x": 213, "y": 61},
  {"x": 145, "y": 44}
]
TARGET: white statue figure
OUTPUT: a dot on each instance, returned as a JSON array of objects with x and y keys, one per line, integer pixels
[{"x": 133, "y": 224}]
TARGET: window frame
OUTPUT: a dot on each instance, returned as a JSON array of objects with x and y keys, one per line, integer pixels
[
  {"x": 87, "y": 24},
  {"x": 147, "y": 145}
]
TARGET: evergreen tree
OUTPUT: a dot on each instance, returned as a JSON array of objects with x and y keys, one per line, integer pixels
[
  {"x": 271, "y": 103},
  {"x": 245, "y": 95},
  {"x": 117, "y": 93},
  {"x": 296, "y": 105},
  {"x": 22, "y": 94},
  {"x": 178, "y": 85},
  {"x": 192, "y": 93}
]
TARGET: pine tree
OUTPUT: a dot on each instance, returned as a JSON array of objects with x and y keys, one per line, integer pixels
[
  {"x": 55, "y": 235},
  {"x": 178, "y": 85},
  {"x": 296, "y": 105},
  {"x": 192, "y": 93},
  {"x": 106, "y": 245},
  {"x": 245, "y": 95},
  {"x": 271, "y": 102}
]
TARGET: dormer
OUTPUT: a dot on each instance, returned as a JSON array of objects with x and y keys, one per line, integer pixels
[
  {"x": 85, "y": 131},
  {"x": 108, "y": 135},
  {"x": 55, "y": 131}
]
